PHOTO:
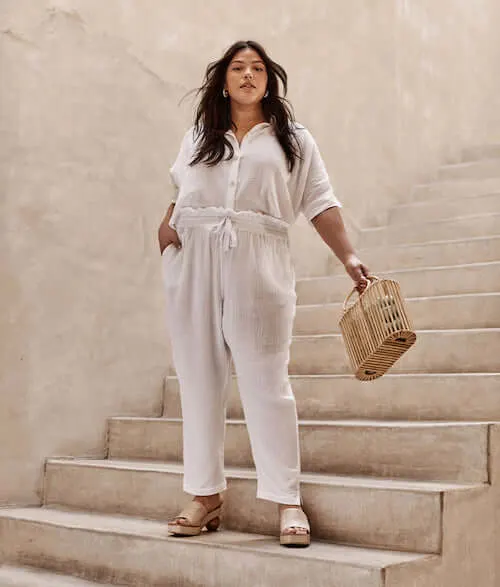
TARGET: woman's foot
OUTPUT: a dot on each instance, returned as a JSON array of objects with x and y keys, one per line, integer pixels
[
  {"x": 203, "y": 510},
  {"x": 294, "y": 526}
]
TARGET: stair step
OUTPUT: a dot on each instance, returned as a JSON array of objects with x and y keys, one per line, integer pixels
[
  {"x": 420, "y": 397},
  {"x": 430, "y": 254},
  {"x": 30, "y": 577},
  {"x": 125, "y": 550},
  {"x": 467, "y": 226},
  {"x": 366, "y": 511},
  {"x": 448, "y": 451},
  {"x": 471, "y": 170},
  {"x": 456, "y": 188},
  {"x": 478, "y": 152},
  {"x": 439, "y": 312},
  {"x": 476, "y": 350},
  {"x": 444, "y": 209},
  {"x": 419, "y": 282},
  {"x": 436, "y": 351}
]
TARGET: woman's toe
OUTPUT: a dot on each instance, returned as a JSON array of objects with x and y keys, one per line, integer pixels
[{"x": 294, "y": 530}]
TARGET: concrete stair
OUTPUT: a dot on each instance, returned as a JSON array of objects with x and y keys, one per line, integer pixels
[
  {"x": 428, "y": 313},
  {"x": 33, "y": 577},
  {"x": 462, "y": 227},
  {"x": 451, "y": 451},
  {"x": 404, "y": 396},
  {"x": 481, "y": 152},
  {"x": 436, "y": 351},
  {"x": 478, "y": 169},
  {"x": 455, "y": 188},
  {"x": 400, "y": 476},
  {"x": 445, "y": 208},
  {"x": 398, "y": 514},
  {"x": 131, "y": 551},
  {"x": 432, "y": 254},
  {"x": 421, "y": 282}
]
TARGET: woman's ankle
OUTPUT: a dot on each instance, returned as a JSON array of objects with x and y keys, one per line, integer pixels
[
  {"x": 283, "y": 506},
  {"x": 213, "y": 498}
]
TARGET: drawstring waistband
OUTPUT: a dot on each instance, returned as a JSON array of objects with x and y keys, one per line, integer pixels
[
  {"x": 225, "y": 230},
  {"x": 225, "y": 220}
]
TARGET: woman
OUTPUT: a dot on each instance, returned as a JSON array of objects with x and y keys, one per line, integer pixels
[{"x": 243, "y": 173}]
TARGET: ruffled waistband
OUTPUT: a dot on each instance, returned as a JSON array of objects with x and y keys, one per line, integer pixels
[{"x": 225, "y": 221}]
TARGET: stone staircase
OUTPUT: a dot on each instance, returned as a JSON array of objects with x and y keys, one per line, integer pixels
[{"x": 400, "y": 475}]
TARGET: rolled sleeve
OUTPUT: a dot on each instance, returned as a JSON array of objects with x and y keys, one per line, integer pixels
[{"x": 318, "y": 194}]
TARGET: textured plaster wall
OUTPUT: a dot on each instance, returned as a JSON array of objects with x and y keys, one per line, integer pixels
[{"x": 89, "y": 122}]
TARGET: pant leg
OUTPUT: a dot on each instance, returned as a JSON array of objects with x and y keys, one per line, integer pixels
[
  {"x": 258, "y": 314},
  {"x": 201, "y": 357}
]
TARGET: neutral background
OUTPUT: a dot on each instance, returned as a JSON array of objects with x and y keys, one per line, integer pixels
[{"x": 90, "y": 122}]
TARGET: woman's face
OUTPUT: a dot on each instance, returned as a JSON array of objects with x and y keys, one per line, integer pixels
[{"x": 246, "y": 77}]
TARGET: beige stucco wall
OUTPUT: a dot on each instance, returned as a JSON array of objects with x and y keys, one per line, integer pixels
[{"x": 89, "y": 121}]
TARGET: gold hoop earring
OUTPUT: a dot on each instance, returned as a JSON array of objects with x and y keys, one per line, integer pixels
[{"x": 225, "y": 93}]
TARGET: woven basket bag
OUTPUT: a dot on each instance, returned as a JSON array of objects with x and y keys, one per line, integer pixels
[{"x": 376, "y": 328}]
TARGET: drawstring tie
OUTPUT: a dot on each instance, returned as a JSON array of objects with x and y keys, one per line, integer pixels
[{"x": 227, "y": 233}]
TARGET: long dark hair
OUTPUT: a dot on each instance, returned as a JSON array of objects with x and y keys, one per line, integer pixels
[{"x": 213, "y": 114}]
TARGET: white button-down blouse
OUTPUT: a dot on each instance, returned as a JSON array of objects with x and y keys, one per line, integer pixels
[{"x": 256, "y": 179}]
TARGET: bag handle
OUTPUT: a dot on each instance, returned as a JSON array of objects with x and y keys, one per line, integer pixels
[{"x": 371, "y": 280}]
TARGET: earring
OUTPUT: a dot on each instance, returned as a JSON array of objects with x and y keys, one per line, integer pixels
[
  {"x": 225, "y": 93},
  {"x": 266, "y": 94}
]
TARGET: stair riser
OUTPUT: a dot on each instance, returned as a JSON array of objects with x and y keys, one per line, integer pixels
[
  {"x": 445, "y": 209},
  {"x": 389, "y": 518},
  {"x": 454, "y": 351},
  {"x": 481, "y": 152},
  {"x": 453, "y": 453},
  {"x": 436, "y": 255},
  {"x": 392, "y": 397},
  {"x": 25, "y": 576},
  {"x": 468, "y": 227},
  {"x": 426, "y": 313},
  {"x": 455, "y": 189},
  {"x": 471, "y": 170},
  {"x": 134, "y": 560},
  {"x": 477, "y": 278},
  {"x": 440, "y": 351}
]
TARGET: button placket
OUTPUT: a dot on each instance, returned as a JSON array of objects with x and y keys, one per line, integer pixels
[{"x": 233, "y": 178}]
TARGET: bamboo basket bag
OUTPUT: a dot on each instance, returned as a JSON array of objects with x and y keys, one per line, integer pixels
[{"x": 376, "y": 328}]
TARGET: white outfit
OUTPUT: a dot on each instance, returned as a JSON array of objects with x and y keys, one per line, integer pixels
[{"x": 230, "y": 291}]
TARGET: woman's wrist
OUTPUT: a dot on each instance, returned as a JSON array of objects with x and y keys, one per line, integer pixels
[{"x": 350, "y": 258}]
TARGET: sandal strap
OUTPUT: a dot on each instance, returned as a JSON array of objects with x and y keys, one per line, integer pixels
[
  {"x": 293, "y": 517},
  {"x": 194, "y": 512}
]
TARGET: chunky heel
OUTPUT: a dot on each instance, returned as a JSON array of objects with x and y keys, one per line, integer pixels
[{"x": 213, "y": 525}]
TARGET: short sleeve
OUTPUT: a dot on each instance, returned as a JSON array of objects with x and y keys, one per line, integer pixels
[
  {"x": 314, "y": 182},
  {"x": 177, "y": 170}
]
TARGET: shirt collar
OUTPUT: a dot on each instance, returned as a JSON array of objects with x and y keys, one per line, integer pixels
[{"x": 255, "y": 128}]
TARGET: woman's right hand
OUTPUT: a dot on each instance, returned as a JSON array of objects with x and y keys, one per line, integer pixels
[{"x": 167, "y": 236}]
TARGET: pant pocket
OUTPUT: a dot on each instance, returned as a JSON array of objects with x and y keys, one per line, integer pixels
[{"x": 171, "y": 259}]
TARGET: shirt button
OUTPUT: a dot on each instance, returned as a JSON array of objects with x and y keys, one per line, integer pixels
[{"x": 233, "y": 183}]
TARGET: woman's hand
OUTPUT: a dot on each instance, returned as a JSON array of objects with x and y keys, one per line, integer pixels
[
  {"x": 167, "y": 235},
  {"x": 357, "y": 272}
]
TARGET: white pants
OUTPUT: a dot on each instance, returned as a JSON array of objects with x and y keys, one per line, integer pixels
[{"x": 230, "y": 291}]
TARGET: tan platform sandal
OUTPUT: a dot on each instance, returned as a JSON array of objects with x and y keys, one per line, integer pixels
[
  {"x": 290, "y": 518},
  {"x": 197, "y": 517}
]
